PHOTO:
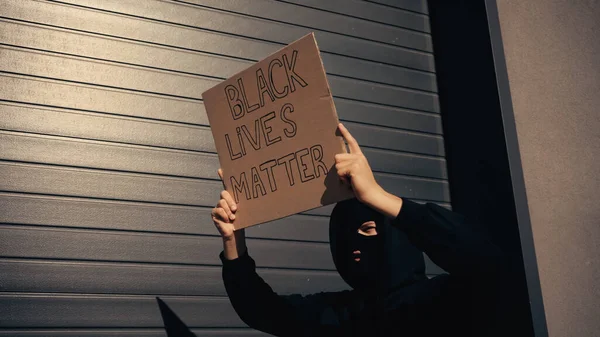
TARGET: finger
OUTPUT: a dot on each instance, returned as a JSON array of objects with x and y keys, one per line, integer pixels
[
  {"x": 344, "y": 165},
  {"x": 344, "y": 172},
  {"x": 232, "y": 205},
  {"x": 342, "y": 157},
  {"x": 352, "y": 143},
  {"x": 223, "y": 204},
  {"x": 220, "y": 173},
  {"x": 220, "y": 215}
]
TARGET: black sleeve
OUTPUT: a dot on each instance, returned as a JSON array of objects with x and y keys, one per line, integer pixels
[
  {"x": 448, "y": 241},
  {"x": 262, "y": 309}
]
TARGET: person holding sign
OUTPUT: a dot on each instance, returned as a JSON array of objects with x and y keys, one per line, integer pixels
[{"x": 377, "y": 240}]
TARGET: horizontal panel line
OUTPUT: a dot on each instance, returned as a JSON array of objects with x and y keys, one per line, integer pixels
[
  {"x": 226, "y": 33},
  {"x": 303, "y": 26},
  {"x": 92, "y": 199},
  {"x": 105, "y": 199},
  {"x": 111, "y": 142},
  {"x": 402, "y": 152},
  {"x": 107, "y": 171},
  {"x": 160, "y": 233},
  {"x": 395, "y": 7},
  {"x": 128, "y": 203},
  {"x": 167, "y": 46},
  {"x": 114, "y": 142},
  {"x": 121, "y": 202},
  {"x": 101, "y": 295},
  {"x": 53, "y": 294},
  {"x": 395, "y": 128},
  {"x": 162, "y": 95},
  {"x": 144, "y": 233},
  {"x": 410, "y": 110},
  {"x": 72, "y": 262},
  {"x": 389, "y": 106},
  {"x": 48, "y": 136},
  {"x": 88, "y": 329},
  {"x": 423, "y": 91},
  {"x": 158, "y": 264},
  {"x": 412, "y": 177},
  {"x": 358, "y": 17},
  {"x": 76, "y": 110}
]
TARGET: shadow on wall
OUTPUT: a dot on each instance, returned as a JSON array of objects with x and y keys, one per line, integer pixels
[{"x": 173, "y": 324}]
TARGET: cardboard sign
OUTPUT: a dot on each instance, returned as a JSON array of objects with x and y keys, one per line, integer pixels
[{"x": 275, "y": 129}]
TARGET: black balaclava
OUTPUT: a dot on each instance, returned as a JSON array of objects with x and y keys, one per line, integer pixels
[{"x": 387, "y": 260}]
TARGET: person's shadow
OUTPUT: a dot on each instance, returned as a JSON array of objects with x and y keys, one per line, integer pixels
[{"x": 174, "y": 326}]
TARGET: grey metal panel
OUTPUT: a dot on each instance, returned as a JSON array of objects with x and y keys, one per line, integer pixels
[
  {"x": 114, "y": 332},
  {"x": 363, "y": 112},
  {"x": 147, "y": 279},
  {"x": 45, "y": 179},
  {"x": 71, "y": 68},
  {"x": 101, "y": 99},
  {"x": 106, "y": 155},
  {"x": 96, "y": 245},
  {"x": 419, "y": 6},
  {"x": 135, "y": 216},
  {"x": 372, "y": 12},
  {"x": 79, "y": 124},
  {"x": 177, "y": 136},
  {"x": 240, "y": 25},
  {"x": 383, "y": 94},
  {"x": 406, "y": 163},
  {"x": 136, "y": 29},
  {"x": 378, "y": 72},
  {"x": 144, "y": 159},
  {"x": 118, "y": 171},
  {"x": 326, "y": 21},
  {"x": 81, "y": 70},
  {"x": 163, "y": 33},
  {"x": 43, "y": 311},
  {"x": 156, "y": 332},
  {"x": 109, "y": 48},
  {"x": 87, "y": 125},
  {"x": 102, "y": 47},
  {"x": 394, "y": 139}
]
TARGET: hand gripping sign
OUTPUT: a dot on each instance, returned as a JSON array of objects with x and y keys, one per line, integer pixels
[{"x": 274, "y": 126}]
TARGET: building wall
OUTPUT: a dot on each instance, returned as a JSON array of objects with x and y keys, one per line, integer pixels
[
  {"x": 552, "y": 53},
  {"x": 108, "y": 168}
]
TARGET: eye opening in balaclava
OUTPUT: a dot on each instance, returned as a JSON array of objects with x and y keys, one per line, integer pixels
[{"x": 387, "y": 260}]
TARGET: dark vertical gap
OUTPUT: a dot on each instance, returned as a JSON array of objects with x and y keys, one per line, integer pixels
[{"x": 476, "y": 154}]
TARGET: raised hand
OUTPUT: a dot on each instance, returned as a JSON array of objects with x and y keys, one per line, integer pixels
[
  {"x": 353, "y": 168},
  {"x": 234, "y": 242},
  {"x": 224, "y": 213}
]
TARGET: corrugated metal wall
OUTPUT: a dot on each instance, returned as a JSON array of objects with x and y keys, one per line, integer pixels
[{"x": 107, "y": 165}]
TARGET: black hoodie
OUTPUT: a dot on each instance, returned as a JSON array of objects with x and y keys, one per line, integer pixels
[{"x": 391, "y": 294}]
